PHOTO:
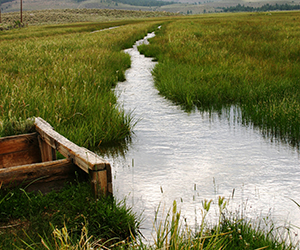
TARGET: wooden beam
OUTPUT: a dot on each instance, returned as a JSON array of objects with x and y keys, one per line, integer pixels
[
  {"x": 47, "y": 152},
  {"x": 82, "y": 157},
  {"x": 19, "y": 150},
  {"x": 39, "y": 172},
  {"x": 109, "y": 179},
  {"x": 99, "y": 182},
  {"x": 21, "y": 11}
]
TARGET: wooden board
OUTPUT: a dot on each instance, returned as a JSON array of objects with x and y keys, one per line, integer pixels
[
  {"x": 47, "y": 152},
  {"x": 36, "y": 173},
  {"x": 82, "y": 157},
  {"x": 19, "y": 150}
]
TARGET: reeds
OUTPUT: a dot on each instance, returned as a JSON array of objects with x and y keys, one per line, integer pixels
[{"x": 248, "y": 60}]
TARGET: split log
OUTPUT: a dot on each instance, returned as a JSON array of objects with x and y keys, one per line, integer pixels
[
  {"x": 82, "y": 157},
  {"x": 21, "y": 157},
  {"x": 98, "y": 168}
]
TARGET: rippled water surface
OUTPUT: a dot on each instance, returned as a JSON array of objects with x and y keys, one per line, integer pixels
[{"x": 186, "y": 157}]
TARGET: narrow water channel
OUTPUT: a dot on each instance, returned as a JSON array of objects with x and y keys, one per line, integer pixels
[{"x": 189, "y": 157}]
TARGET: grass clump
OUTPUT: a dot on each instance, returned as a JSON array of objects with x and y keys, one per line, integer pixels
[
  {"x": 247, "y": 60},
  {"x": 26, "y": 218},
  {"x": 67, "y": 79}
]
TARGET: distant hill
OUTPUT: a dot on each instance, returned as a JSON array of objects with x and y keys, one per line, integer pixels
[
  {"x": 175, "y": 6},
  {"x": 144, "y": 2},
  {"x": 62, "y": 16}
]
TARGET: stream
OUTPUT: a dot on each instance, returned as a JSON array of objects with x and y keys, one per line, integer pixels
[{"x": 190, "y": 157}]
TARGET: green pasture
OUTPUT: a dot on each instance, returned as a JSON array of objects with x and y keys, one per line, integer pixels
[{"x": 67, "y": 79}]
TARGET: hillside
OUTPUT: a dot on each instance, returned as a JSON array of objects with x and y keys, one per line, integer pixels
[
  {"x": 175, "y": 6},
  {"x": 59, "y": 16}
]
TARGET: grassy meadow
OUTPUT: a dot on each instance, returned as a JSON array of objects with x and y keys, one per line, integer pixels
[
  {"x": 249, "y": 60},
  {"x": 67, "y": 79}
]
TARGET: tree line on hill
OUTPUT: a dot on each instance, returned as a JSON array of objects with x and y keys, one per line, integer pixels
[
  {"x": 5, "y": 1},
  {"x": 265, "y": 7},
  {"x": 133, "y": 2},
  {"x": 144, "y": 2}
]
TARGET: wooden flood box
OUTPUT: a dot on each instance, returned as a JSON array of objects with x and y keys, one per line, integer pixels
[{"x": 30, "y": 160}]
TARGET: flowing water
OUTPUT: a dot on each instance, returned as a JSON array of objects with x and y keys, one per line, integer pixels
[{"x": 189, "y": 157}]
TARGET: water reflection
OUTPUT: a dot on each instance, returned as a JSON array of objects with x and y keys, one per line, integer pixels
[
  {"x": 114, "y": 150},
  {"x": 172, "y": 152}
]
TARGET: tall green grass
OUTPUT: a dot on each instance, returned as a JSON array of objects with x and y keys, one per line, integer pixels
[
  {"x": 249, "y": 60},
  {"x": 231, "y": 231},
  {"x": 67, "y": 80},
  {"x": 28, "y": 220}
]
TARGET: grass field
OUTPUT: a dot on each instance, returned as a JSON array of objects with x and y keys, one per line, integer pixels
[
  {"x": 248, "y": 60},
  {"x": 67, "y": 79}
]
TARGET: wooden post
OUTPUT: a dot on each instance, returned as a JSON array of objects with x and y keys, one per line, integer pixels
[
  {"x": 109, "y": 179},
  {"x": 99, "y": 182},
  {"x": 0, "y": 10},
  {"x": 21, "y": 10}
]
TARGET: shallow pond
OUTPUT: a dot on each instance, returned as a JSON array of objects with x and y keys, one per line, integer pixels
[{"x": 189, "y": 157}]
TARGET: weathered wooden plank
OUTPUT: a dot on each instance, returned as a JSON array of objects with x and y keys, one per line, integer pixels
[
  {"x": 99, "y": 182},
  {"x": 10, "y": 144},
  {"x": 39, "y": 172},
  {"x": 19, "y": 150},
  {"x": 82, "y": 157},
  {"x": 47, "y": 152}
]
